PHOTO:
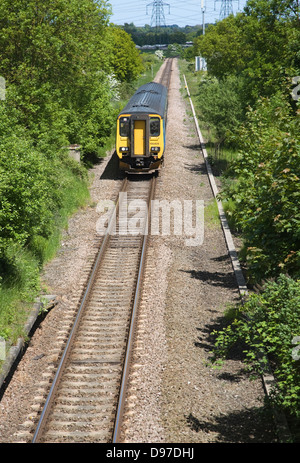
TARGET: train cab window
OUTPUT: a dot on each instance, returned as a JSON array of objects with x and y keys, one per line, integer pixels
[
  {"x": 154, "y": 127},
  {"x": 124, "y": 126}
]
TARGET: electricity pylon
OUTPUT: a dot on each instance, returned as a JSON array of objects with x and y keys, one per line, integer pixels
[
  {"x": 226, "y": 8},
  {"x": 158, "y": 13}
]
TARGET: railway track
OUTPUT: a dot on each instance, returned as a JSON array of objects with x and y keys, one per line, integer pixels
[
  {"x": 86, "y": 398},
  {"x": 166, "y": 75}
]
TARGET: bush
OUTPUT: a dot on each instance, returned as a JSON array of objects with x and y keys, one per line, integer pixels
[
  {"x": 37, "y": 194},
  {"x": 27, "y": 203},
  {"x": 267, "y": 193},
  {"x": 220, "y": 105},
  {"x": 269, "y": 322}
]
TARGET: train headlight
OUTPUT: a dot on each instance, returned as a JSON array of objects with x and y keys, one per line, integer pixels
[
  {"x": 124, "y": 149},
  {"x": 155, "y": 149}
]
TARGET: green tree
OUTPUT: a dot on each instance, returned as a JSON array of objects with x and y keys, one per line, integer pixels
[
  {"x": 126, "y": 60},
  {"x": 268, "y": 323},
  {"x": 261, "y": 45},
  {"x": 223, "y": 46},
  {"x": 54, "y": 59}
]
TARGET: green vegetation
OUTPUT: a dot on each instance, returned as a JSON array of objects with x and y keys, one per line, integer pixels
[
  {"x": 126, "y": 61},
  {"x": 211, "y": 214},
  {"x": 245, "y": 100},
  {"x": 246, "y": 105},
  {"x": 64, "y": 66},
  {"x": 269, "y": 324},
  {"x": 167, "y": 35},
  {"x": 266, "y": 194}
]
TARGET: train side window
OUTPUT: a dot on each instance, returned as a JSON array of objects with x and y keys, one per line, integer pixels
[
  {"x": 124, "y": 126},
  {"x": 154, "y": 127}
]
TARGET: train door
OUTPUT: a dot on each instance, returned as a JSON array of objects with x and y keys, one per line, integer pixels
[{"x": 139, "y": 134}]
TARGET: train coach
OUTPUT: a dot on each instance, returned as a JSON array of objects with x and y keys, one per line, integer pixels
[{"x": 141, "y": 130}]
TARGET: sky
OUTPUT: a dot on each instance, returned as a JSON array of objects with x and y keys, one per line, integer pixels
[{"x": 182, "y": 12}]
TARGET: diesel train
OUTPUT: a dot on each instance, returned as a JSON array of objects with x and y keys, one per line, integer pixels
[{"x": 141, "y": 130}]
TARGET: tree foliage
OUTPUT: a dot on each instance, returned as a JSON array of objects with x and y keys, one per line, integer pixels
[
  {"x": 223, "y": 47},
  {"x": 253, "y": 58},
  {"x": 53, "y": 60},
  {"x": 126, "y": 60},
  {"x": 268, "y": 323},
  {"x": 221, "y": 105},
  {"x": 261, "y": 45},
  {"x": 260, "y": 49},
  {"x": 167, "y": 35},
  {"x": 267, "y": 192}
]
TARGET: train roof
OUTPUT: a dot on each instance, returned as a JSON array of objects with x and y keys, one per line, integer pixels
[{"x": 149, "y": 98}]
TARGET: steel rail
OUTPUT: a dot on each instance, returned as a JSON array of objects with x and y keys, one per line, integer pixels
[
  {"x": 166, "y": 75},
  {"x": 120, "y": 409}
]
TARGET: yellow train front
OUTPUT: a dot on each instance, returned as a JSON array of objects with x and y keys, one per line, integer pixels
[{"x": 141, "y": 130}]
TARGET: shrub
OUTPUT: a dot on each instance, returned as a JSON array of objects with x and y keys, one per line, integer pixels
[
  {"x": 220, "y": 105},
  {"x": 269, "y": 323},
  {"x": 267, "y": 193}
]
